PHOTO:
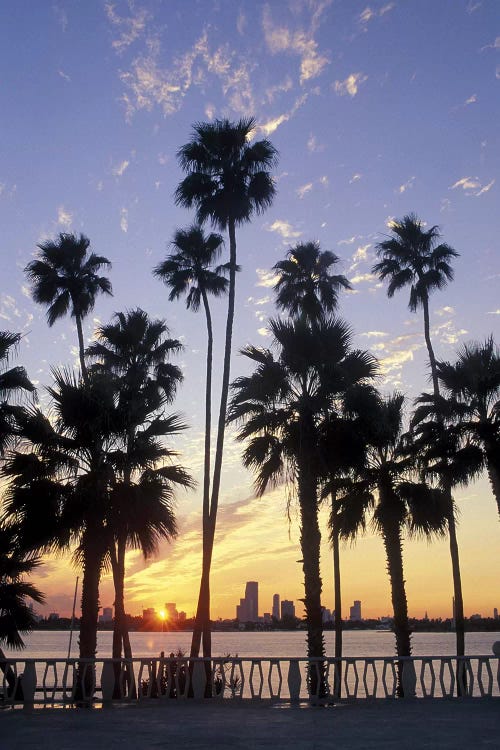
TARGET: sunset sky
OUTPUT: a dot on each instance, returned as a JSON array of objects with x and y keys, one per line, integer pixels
[{"x": 377, "y": 110}]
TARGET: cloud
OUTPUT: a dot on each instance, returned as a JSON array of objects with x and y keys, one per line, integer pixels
[
  {"x": 350, "y": 85},
  {"x": 446, "y": 333},
  {"x": 406, "y": 185},
  {"x": 300, "y": 43},
  {"x": 124, "y": 220},
  {"x": 368, "y": 14},
  {"x": 266, "y": 278},
  {"x": 471, "y": 100},
  {"x": 279, "y": 88},
  {"x": 130, "y": 29},
  {"x": 64, "y": 217},
  {"x": 61, "y": 16},
  {"x": 313, "y": 146},
  {"x": 361, "y": 253},
  {"x": 355, "y": 178},
  {"x": 493, "y": 45},
  {"x": 494, "y": 312},
  {"x": 267, "y": 128},
  {"x": 264, "y": 332},
  {"x": 472, "y": 7},
  {"x": 64, "y": 75},
  {"x": 350, "y": 240},
  {"x": 443, "y": 311},
  {"x": 284, "y": 228},
  {"x": 120, "y": 168},
  {"x": 304, "y": 189},
  {"x": 471, "y": 184},
  {"x": 362, "y": 277},
  {"x": 241, "y": 23},
  {"x": 374, "y": 334}
]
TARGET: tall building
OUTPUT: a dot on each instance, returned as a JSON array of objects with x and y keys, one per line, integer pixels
[
  {"x": 107, "y": 615},
  {"x": 171, "y": 611},
  {"x": 276, "y": 606},
  {"x": 355, "y": 611},
  {"x": 252, "y": 600},
  {"x": 495, "y": 613},
  {"x": 287, "y": 609}
]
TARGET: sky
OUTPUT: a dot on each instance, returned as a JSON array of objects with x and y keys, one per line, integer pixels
[{"x": 377, "y": 109}]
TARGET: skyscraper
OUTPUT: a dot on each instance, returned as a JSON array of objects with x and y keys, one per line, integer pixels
[
  {"x": 276, "y": 606},
  {"x": 252, "y": 600},
  {"x": 287, "y": 609},
  {"x": 355, "y": 611}
]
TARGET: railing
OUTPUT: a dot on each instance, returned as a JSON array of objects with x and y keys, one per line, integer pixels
[{"x": 101, "y": 682}]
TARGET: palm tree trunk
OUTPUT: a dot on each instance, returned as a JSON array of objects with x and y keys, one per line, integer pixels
[
  {"x": 202, "y": 621},
  {"x": 430, "y": 350},
  {"x": 493, "y": 463},
  {"x": 394, "y": 555},
  {"x": 337, "y": 685},
  {"x": 81, "y": 349},
  {"x": 214, "y": 501},
  {"x": 457, "y": 581},
  {"x": 92, "y": 563},
  {"x": 10, "y": 678},
  {"x": 310, "y": 542}
]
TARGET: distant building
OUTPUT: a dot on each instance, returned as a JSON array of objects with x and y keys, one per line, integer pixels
[
  {"x": 182, "y": 617},
  {"x": 53, "y": 616},
  {"x": 252, "y": 600},
  {"x": 326, "y": 615},
  {"x": 267, "y": 618},
  {"x": 287, "y": 609},
  {"x": 171, "y": 611},
  {"x": 355, "y": 611},
  {"x": 107, "y": 615},
  {"x": 149, "y": 616},
  {"x": 495, "y": 614},
  {"x": 276, "y": 606}
]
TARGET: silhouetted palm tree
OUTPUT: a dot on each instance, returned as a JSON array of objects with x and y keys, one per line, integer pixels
[
  {"x": 384, "y": 487},
  {"x": 16, "y": 617},
  {"x": 282, "y": 405},
  {"x": 306, "y": 285},
  {"x": 65, "y": 278},
  {"x": 414, "y": 257},
  {"x": 190, "y": 271},
  {"x": 133, "y": 351},
  {"x": 227, "y": 182},
  {"x": 472, "y": 389},
  {"x": 14, "y": 383}
]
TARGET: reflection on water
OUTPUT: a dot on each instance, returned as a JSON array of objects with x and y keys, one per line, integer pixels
[{"x": 54, "y": 644}]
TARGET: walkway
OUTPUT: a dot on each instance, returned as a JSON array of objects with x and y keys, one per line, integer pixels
[{"x": 387, "y": 725}]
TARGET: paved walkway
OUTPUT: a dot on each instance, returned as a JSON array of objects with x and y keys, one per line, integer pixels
[{"x": 387, "y": 725}]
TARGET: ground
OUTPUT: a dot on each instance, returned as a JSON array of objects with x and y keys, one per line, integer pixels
[{"x": 364, "y": 725}]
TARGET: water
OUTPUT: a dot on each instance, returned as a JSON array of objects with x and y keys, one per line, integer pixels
[{"x": 359, "y": 643}]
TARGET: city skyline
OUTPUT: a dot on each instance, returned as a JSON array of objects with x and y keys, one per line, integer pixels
[{"x": 367, "y": 129}]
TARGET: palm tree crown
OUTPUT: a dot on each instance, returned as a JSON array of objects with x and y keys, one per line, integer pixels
[
  {"x": 14, "y": 382},
  {"x": 65, "y": 278},
  {"x": 414, "y": 257},
  {"x": 228, "y": 178},
  {"x": 306, "y": 285}
]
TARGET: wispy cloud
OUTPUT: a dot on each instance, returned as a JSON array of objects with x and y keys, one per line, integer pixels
[
  {"x": 406, "y": 185},
  {"x": 350, "y": 85},
  {"x": 301, "y": 43},
  {"x": 363, "y": 277},
  {"x": 304, "y": 189},
  {"x": 130, "y": 29},
  {"x": 64, "y": 217},
  {"x": 124, "y": 220},
  {"x": 374, "y": 334},
  {"x": 285, "y": 229},
  {"x": 313, "y": 146},
  {"x": 120, "y": 168},
  {"x": 471, "y": 100},
  {"x": 472, "y": 186},
  {"x": 64, "y": 75},
  {"x": 266, "y": 278},
  {"x": 355, "y": 178},
  {"x": 368, "y": 14}
]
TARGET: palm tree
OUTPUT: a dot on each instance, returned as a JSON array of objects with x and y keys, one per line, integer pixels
[
  {"x": 282, "y": 405},
  {"x": 384, "y": 484},
  {"x": 472, "y": 389},
  {"x": 190, "y": 270},
  {"x": 414, "y": 257},
  {"x": 133, "y": 350},
  {"x": 65, "y": 277},
  {"x": 60, "y": 482},
  {"x": 227, "y": 182},
  {"x": 16, "y": 617},
  {"x": 14, "y": 383},
  {"x": 306, "y": 285}
]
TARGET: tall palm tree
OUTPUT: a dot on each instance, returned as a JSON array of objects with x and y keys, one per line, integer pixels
[
  {"x": 65, "y": 278},
  {"x": 472, "y": 388},
  {"x": 306, "y": 285},
  {"x": 133, "y": 350},
  {"x": 384, "y": 486},
  {"x": 282, "y": 405},
  {"x": 227, "y": 182},
  {"x": 14, "y": 383},
  {"x": 190, "y": 271},
  {"x": 415, "y": 257}
]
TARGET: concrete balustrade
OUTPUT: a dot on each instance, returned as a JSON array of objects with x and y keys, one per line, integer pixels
[{"x": 63, "y": 682}]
